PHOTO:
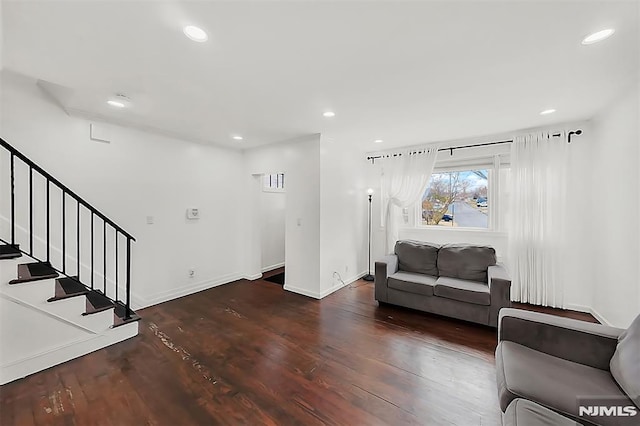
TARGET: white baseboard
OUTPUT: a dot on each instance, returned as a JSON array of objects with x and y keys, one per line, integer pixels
[
  {"x": 589, "y": 310},
  {"x": 252, "y": 277},
  {"x": 340, "y": 285},
  {"x": 325, "y": 293},
  {"x": 185, "y": 291},
  {"x": 38, "y": 362},
  {"x": 272, "y": 267},
  {"x": 302, "y": 291}
]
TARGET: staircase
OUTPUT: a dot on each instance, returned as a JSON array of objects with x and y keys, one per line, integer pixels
[{"x": 65, "y": 272}]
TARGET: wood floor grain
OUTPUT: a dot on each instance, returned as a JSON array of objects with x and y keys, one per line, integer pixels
[{"x": 252, "y": 353}]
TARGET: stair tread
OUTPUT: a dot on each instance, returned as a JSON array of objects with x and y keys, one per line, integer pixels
[
  {"x": 97, "y": 302},
  {"x": 34, "y": 271},
  {"x": 8, "y": 251},
  {"x": 119, "y": 314},
  {"x": 68, "y": 287}
]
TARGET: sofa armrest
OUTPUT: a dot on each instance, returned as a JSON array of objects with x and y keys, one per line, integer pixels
[
  {"x": 500, "y": 289},
  {"x": 384, "y": 267},
  {"x": 578, "y": 341}
]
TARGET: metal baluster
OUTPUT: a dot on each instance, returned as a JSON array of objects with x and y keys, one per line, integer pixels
[
  {"x": 91, "y": 250},
  {"x": 116, "y": 242},
  {"x": 78, "y": 238},
  {"x": 127, "y": 310},
  {"x": 30, "y": 210},
  {"x": 13, "y": 201},
  {"x": 104, "y": 255},
  {"x": 48, "y": 226},
  {"x": 64, "y": 233}
]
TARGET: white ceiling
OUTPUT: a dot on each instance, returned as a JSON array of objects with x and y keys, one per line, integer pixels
[{"x": 405, "y": 72}]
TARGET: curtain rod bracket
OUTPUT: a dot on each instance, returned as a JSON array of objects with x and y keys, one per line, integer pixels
[{"x": 577, "y": 132}]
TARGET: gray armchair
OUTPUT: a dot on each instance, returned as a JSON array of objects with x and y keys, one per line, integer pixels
[{"x": 554, "y": 362}]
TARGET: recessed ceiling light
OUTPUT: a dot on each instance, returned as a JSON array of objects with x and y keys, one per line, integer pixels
[
  {"x": 119, "y": 101},
  {"x": 598, "y": 36},
  {"x": 378, "y": 141},
  {"x": 238, "y": 138},
  {"x": 548, "y": 111},
  {"x": 195, "y": 33},
  {"x": 328, "y": 114},
  {"x": 116, "y": 104}
]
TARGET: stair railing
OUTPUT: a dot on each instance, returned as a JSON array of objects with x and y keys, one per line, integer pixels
[{"x": 96, "y": 215}]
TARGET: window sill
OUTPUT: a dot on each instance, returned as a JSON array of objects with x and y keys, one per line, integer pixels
[{"x": 477, "y": 231}]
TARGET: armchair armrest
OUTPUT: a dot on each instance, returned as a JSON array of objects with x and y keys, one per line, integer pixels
[
  {"x": 578, "y": 341},
  {"x": 384, "y": 267},
  {"x": 500, "y": 289}
]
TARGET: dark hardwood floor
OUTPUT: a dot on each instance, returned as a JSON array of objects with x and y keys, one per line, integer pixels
[
  {"x": 252, "y": 353},
  {"x": 553, "y": 311}
]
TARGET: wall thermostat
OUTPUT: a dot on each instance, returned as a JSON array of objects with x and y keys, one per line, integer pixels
[{"x": 193, "y": 213}]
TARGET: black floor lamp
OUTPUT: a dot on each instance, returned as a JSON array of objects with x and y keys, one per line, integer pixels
[{"x": 369, "y": 277}]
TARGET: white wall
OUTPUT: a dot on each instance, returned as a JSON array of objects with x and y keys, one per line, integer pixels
[
  {"x": 343, "y": 219},
  {"x": 137, "y": 175},
  {"x": 272, "y": 219},
  {"x": 1, "y": 41},
  {"x": 615, "y": 183},
  {"x": 577, "y": 271},
  {"x": 299, "y": 160}
]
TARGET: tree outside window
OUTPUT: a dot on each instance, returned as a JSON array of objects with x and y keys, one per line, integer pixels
[{"x": 457, "y": 199}]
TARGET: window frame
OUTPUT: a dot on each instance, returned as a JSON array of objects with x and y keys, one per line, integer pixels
[{"x": 493, "y": 168}]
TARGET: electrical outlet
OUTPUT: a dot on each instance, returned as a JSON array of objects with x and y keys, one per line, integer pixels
[{"x": 192, "y": 273}]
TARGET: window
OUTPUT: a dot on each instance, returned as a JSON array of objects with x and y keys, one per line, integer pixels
[
  {"x": 273, "y": 182},
  {"x": 457, "y": 199}
]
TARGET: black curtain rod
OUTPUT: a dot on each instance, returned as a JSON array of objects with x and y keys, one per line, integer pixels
[{"x": 452, "y": 148}]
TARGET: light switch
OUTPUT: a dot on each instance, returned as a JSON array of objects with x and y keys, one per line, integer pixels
[{"x": 150, "y": 220}]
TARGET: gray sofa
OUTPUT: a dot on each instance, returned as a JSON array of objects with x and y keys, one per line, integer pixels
[
  {"x": 456, "y": 280},
  {"x": 546, "y": 366}
]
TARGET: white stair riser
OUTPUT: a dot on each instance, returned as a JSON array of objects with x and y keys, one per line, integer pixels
[
  {"x": 33, "y": 292},
  {"x": 98, "y": 322},
  {"x": 9, "y": 269}
]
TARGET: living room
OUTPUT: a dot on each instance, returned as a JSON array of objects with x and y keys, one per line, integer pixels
[{"x": 312, "y": 90}]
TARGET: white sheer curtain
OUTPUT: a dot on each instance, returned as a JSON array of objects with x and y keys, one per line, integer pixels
[
  {"x": 537, "y": 216},
  {"x": 404, "y": 180}
]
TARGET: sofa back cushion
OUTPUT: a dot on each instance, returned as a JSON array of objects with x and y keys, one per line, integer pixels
[
  {"x": 625, "y": 362},
  {"x": 465, "y": 261},
  {"x": 417, "y": 256}
]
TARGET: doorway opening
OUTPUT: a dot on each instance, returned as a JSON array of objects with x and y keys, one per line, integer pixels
[{"x": 272, "y": 225}]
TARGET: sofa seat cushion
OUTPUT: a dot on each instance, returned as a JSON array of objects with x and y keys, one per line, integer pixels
[
  {"x": 417, "y": 256},
  {"x": 463, "y": 290},
  {"x": 549, "y": 381},
  {"x": 526, "y": 413},
  {"x": 412, "y": 283},
  {"x": 466, "y": 262}
]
